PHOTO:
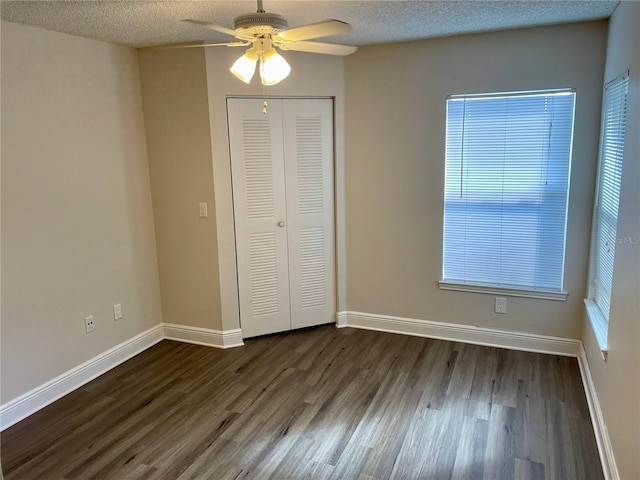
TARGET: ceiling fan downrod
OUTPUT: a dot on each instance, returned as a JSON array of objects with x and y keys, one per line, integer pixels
[{"x": 261, "y": 23}]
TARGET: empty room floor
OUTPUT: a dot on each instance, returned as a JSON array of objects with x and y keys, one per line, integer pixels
[{"x": 323, "y": 403}]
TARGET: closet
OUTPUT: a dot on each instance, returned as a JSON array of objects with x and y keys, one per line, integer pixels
[{"x": 282, "y": 178}]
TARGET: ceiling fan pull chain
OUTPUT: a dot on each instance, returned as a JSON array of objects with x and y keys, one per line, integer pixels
[{"x": 264, "y": 96}]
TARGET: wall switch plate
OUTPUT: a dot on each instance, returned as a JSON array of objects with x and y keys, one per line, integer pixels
[
  {"x": 501, "y": 305},
  {"x": 88, "y": 324},
  {"x": 203, "y": 210},
  {"x": 117, "y": 312}
]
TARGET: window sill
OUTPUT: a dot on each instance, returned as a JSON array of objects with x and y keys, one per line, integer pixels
[
  {"x": 511, "y": 292},
  {"x": 599, "y": 325}
]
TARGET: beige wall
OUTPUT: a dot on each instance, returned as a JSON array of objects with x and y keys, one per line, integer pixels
[
  {"x": 174, "y": 92},
  {"x": 77, "y": 227},
  {"x": 394, "y": 169},
  {"x": 617, "y": 381},
  {"x": 1, "y": 476},
  {"x": 312, "y": 76}
]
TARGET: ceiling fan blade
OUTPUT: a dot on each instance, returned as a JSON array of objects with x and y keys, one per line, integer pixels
[
  {"x": 218, "y": 28},
  {"x": 315, "y": 30},
  {"x": 196, "y": 45},
  {"x": 211, "y": 26},
  {"x": 317, "y": 47}
]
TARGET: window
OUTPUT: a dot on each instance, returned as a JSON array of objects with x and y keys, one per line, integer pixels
[
  {"x": 605, "y": 215},
  {"x": 506, "y": 188}
]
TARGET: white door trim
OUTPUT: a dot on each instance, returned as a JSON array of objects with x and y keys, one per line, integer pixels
[{"x": 306, "y": 133}]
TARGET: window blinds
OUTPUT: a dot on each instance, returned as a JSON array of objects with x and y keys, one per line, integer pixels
[
  {"x": 608, "y": 194},
  {"x": 506, "y": 188}
]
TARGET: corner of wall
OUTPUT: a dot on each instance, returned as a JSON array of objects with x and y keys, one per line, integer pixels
[{"x": 178, "y": 132}]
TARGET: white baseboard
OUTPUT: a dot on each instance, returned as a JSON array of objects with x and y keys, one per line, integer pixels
[
  {"x": 24, "y": 405},
  {"x": 38, "y": 398},
  {"x": 341, "y": 319},
  {"x": 203, "y": 336},
  {"x": 529, "y": 342},
  {"x": 505, "y": 339},
  {"x": 605, "y": 448}
]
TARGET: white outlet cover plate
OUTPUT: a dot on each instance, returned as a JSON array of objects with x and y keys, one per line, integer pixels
[
  {"x": 204, "y": 210},
  {"x": 501, "y": 305},
  {"x": 89, "y": 324}
]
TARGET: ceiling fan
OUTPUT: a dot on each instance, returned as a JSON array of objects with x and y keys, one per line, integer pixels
[{"x": 264, "y": 31}]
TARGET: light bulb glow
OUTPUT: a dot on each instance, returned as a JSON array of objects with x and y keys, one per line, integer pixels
[
  {"x": 273, "y": 67},
  {"x": 245, "y": 66}
]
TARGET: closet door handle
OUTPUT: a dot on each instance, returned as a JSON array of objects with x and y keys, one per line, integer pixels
[{"x": 281, "y": 224}]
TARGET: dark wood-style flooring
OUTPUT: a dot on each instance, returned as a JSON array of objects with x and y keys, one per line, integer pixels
[{"x": 324, "y": 403}]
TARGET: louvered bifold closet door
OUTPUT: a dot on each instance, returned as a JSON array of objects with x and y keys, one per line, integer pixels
[
  {"x": 308, "y": 153},
  {"x": 257, "y": 168}
]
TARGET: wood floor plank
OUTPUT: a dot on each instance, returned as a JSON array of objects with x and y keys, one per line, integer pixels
[
  {"x": 469, "y": 461},
  {"x": 483, "y": 383},
  {"x": 316, "y": 404},
  {"x": 500, "y": 454},
  {"x": 351, "y": 462},
  {"x": 526, "y": 470},
  {"x": 296, "y": 463},
  {"x": 464, "y": 372},
  {"x": 533, "y": 444},
  {"x": 505, "y": 391}
]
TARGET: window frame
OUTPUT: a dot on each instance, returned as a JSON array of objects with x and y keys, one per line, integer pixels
[{"x": 531, "y": 292}]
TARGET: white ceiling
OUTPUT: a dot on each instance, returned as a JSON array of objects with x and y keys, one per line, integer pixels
[{"x": 141, "y": 23}]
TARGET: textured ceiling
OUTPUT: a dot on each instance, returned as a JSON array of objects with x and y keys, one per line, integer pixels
[{"x": 140, "y": 23}]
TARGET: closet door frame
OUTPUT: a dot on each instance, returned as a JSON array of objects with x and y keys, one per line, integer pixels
[{"x": 333, "y": 213}]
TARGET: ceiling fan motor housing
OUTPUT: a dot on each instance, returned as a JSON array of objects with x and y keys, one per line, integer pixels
[{"x": 260, "y": 23}]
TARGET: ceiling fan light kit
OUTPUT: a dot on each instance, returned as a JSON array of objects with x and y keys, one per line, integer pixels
[
  {"x": 268, "y": 30},
  {"x": 245, "y": 66},
  {"x": 273, "y": 67}
]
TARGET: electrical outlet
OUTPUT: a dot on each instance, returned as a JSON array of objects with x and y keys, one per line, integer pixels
[
  {"x": 501, "y": 305},
  {"x": 89, "y": 325},
  {"x": 117, "y": 312}
]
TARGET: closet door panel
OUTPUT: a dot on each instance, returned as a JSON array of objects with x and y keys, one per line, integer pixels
[
  {"x": 258, "y": 178},
  {"x": 308, "y": 155}
]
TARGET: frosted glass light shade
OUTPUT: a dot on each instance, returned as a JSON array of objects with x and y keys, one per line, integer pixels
[
  {"x": 273, "y": 68},
  {"x": 245, "y": 66}
]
